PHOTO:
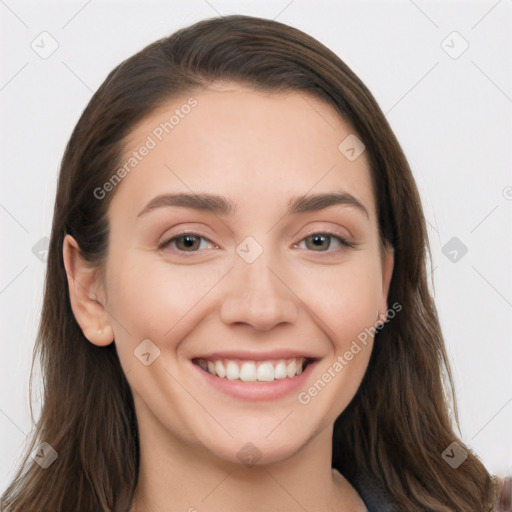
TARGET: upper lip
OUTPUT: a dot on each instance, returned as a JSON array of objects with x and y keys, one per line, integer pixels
[{"x": 258, "y": 356}]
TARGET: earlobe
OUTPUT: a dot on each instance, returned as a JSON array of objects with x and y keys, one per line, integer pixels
[{"x": 86, "y": 295}]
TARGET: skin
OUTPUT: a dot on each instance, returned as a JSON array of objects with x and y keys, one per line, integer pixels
[{"x": 259, "y": 150}]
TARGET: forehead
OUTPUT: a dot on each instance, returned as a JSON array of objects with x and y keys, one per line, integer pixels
[{"x": 245, "y": 144}]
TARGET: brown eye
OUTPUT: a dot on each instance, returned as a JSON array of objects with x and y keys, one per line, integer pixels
[
  {"x": 185, "y": 242},
  {"x": 321, "y": 242},
  {"x": 189, "y": 242}
]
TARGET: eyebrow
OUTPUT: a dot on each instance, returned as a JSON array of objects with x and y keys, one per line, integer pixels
[{"x": 220, "y": 205}]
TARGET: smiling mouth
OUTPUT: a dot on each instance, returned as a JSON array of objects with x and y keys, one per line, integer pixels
[{"x": 254, "y": 371}]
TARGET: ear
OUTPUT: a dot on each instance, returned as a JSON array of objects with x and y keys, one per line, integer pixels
[
  {"x": 387, "y": 264},
  {"x": 86, "y": 295}
]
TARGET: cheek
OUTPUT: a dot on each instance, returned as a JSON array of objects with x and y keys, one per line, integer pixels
[
  {"x": 346, "y": 302},
  {"x": 155, "y": 300},
  {"x": 345, "y": 298},
  {"x": 158, "y": 302}
]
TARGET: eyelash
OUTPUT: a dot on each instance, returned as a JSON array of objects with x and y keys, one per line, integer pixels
[{"x": 342, "y": 241}]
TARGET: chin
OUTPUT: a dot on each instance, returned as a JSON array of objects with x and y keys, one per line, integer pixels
[{"x": 258, "y": 450}]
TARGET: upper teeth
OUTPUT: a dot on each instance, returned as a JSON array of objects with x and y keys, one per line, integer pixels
[{"x": 252, "y": 371}]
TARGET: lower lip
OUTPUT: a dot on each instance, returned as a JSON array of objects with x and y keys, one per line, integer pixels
[{"x": 257, "y": 391}]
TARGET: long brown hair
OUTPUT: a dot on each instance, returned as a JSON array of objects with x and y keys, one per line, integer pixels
[{"x": 398, "y": 424}]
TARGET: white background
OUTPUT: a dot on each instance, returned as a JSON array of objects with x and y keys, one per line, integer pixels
[{"x": 453, "y": 117}]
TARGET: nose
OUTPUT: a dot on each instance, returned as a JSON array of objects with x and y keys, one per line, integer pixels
[{"x": 259, "y": 296}]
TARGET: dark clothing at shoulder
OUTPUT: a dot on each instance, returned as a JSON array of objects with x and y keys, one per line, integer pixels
[{"x": 374, "y": 496}]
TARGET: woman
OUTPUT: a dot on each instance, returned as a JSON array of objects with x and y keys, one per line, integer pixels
[{"x": 236, "y": 312}]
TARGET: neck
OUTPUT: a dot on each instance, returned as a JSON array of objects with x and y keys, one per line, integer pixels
[{"x": 191, "y": 478}]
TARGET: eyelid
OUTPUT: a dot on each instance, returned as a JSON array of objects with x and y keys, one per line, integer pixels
[
  {"x": 341, "y": 232},
  {"x": 343, "y": 240},
  {"x": 167, "y": 241}
]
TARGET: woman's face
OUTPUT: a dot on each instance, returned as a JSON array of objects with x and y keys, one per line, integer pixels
[{"x": 265, "y": 277}]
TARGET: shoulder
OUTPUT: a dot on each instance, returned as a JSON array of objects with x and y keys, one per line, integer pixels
[
  {"x": 374, "y": 496},
  {"x": 504, "y": 494},
  {"x": 378, "y": 500}
]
